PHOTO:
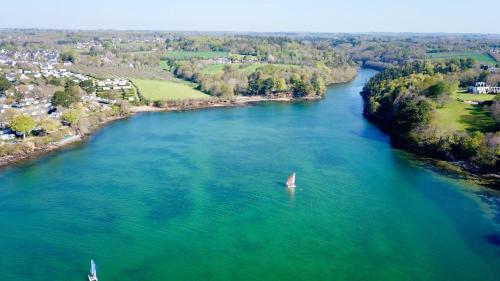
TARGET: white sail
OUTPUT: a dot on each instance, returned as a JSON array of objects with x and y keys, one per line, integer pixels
[{"x": 93, "y": 271}]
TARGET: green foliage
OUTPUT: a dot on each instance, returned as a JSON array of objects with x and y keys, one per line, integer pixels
[
  {"x": 71, "y": 94},
  {"x": 22, "y": 124},
  {"x": 87, "y": 86},
  {"x": 404, "y": 98},
  {"x": 55, "y": 81},
  {"x": 4, "y": 84},
  {"x": 63, "y": 98},
  {"x": 412, "y": 111},
  {"x": 71, "y": 116},
  {"x": 69, "y": 56}
]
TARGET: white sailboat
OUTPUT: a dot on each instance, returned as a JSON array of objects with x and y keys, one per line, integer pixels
[
  {"x": 290, "y": 182},
  {"x": 93, "y": 271}
]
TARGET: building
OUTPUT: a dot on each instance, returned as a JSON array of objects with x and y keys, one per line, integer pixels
[{"x": 483, "y": 88}]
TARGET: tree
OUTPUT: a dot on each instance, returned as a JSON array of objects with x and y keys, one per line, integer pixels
[
  {"x": 71, "y": 94},
  {"x": 87, "y": 86},
  {"x": 318, "y": 84},
  {"x": 4, "y": 84},
  {"x": 412, "y": 111},
  {"x": 495, "y": 111},
  {"x": 69, "y": 56},
  {"x": 280, "y": 85},
  {"x": 22, "y": 124},
  {"x": 483, "y": 75},
  {"x": 226, "y": 90},
  {"x": 71, "y": 117},
  {"x": 62, "y": 98}
]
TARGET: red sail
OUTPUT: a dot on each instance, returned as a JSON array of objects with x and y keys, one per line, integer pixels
[{"x": 291, "y": 180}]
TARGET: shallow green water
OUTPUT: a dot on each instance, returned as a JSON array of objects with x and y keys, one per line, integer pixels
[{"x": 199, "y": 196}]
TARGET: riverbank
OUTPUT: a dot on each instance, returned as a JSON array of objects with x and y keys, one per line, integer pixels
[
  {"x": 34, "y": 152},
  {"x": 460, "y": 169},
  {"x": 8, "y": 160}
]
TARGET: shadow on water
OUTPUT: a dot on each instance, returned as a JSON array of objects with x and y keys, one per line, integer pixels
[
  {"x": 449, "y": 200},
  {"x": 493, "y": 239}
]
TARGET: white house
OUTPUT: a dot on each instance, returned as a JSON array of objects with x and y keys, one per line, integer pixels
[{"x": 483, "y": 88}]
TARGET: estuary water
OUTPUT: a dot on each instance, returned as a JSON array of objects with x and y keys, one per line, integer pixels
[{"x": 200, "y": 195}]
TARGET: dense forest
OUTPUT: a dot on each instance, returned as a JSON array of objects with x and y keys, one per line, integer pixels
[{"x": 260, "y": 65}]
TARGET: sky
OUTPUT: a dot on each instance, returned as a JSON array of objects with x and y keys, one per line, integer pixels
[{"x": 451, "y": 16}]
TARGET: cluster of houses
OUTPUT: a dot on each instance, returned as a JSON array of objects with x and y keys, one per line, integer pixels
[
  {"x": 15, "y": 57},
  {"x": 30, "y": 94},
  {"x": 484, "y": 88},
  {"x": 88, "y": 45},
  {"x": 113, "y": 84}
]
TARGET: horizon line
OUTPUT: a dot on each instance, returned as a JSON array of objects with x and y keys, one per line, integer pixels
[{"x": 257, "y": 32}]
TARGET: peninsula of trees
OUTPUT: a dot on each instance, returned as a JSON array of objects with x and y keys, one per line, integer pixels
[{"x": 425, "y": 107}]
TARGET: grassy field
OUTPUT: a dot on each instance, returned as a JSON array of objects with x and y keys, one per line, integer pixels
[
  {"x": 167, "y": 90},
  {"x": 185, "y": 55},
  {"x": 462, "y": 116},
  {"x": 475, "y": 97},
  {"x": 480, "y": 57}
]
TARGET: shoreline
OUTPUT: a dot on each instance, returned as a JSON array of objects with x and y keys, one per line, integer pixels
[
  {"x": 12, "y": 160},
  {"x": 458, "y": 169}
]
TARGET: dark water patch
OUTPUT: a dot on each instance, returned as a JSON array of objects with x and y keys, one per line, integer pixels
[
  {"x": 229, "y": 195},
  {"x": 493, "y": 239},
  {"x": 327, "y": 157},
  {"x": 492, "y": 200},
  {"x": 371, "y": 134},
  {"x": 32, "y": 269},
  {"x": 247, "y": 246},
  {"x": 169, "y": 204}
]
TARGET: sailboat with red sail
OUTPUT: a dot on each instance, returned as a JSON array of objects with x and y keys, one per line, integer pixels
[{"x": 290, "y": 182}]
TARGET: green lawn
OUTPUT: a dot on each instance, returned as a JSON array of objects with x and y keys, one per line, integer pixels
[
  {"x": 213, "y": 69},
  {"x": 475, "y": 97},
  {"x": 462, "y": 116},
  {"x": 185, "y": 55},
  {"x": 480, "y": 57},
  {"x": 167, "y": 90}
]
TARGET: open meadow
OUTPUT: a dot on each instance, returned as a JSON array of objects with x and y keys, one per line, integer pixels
[
  {"x": 480, "y": 57},
  {"x": 461, "y": 116},
  {"x": 167, "y": 90}
]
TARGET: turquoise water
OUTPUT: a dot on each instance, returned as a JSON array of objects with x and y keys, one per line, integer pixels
[{"x": 199, "y": 196}]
